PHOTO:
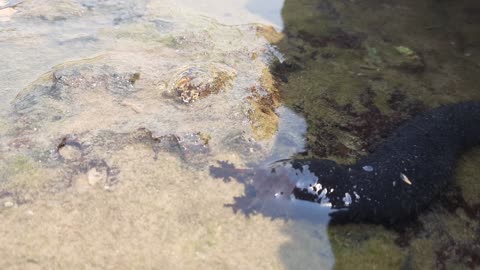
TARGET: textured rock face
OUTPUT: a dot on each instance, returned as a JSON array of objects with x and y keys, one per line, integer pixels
[
  {"x": 62, "y": 101},
  {"x": 193, "y": 83},
  {"x": 181, "y": 98}
]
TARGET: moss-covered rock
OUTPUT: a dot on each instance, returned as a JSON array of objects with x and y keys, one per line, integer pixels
[
  {"x": 468, "y": 177},
  {"x": 364, "y": 247}
]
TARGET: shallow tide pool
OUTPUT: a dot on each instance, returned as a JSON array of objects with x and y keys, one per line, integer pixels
[
  {"x": 153, "y": 134},
  {"x": 112, "y": 113}
]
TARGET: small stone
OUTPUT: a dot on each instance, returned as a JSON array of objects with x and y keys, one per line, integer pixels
[
  {"x": 8, "y": 204},
  {"x": 97, "y": 175}
]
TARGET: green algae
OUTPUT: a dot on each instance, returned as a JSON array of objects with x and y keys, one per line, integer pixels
[
  {"x": 334, "y": 56},
  {"x": 343, "y": 74},
  {"x": 467, "y": 176},
  {"x": 447, "y": 239},
  {"x": 421, "y": 255},
  {"x": 364, "y": 247}
]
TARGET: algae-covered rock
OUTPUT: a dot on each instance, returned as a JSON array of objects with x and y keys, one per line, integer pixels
[
  {"x": 467, "y": 177},
  {"x": 355, "y": 83},
  {"x": 365, "y": 247},
  {"x": 269, "y": 33},
  {"x": 264, "y": 99},
  {"x": 196, "y": 82},
  {"x": 57, "y": 95}
]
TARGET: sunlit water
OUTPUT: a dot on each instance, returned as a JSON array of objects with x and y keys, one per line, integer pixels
[{"x": 103, "y": 166}]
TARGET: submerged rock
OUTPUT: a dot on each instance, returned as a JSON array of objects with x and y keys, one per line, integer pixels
[
  {"x": 193, "y": 83},
  {"x": 61, "y": 94},
  {"x": 70, "y": 80}
]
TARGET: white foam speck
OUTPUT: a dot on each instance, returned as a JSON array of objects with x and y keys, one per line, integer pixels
[
  {"x": 367, "y": 168},
  {"x": 347, "y": 199}
]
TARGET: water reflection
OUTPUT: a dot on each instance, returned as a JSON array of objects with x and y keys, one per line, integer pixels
[
  {"x": 271, "y": 10},
  {"x": 290, "y": 137}
]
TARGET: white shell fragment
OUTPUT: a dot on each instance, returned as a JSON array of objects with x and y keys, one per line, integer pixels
[
  {"x": 367, "y": 168},
  {"x": 347, "y": 199},
  {"x": 8, "y": 204},
  {"x": 356, "y": 195},
  {"x": 405, "y": 179}
]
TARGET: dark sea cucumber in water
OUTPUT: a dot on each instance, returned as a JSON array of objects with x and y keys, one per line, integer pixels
[
  {"x": 406, "y": 172},
  {"x": 401, "y": 178}
]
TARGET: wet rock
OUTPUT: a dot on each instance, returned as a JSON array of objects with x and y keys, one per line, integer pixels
[
  {"x": 264, "y": 100},
  {"x": 84, "y": 153},
  {"x": 269, "y": 33},
  {"x": 69, "y": 81},
  {"x": 242, "y": 144},
  {"x": 193, "y": 148},
  {"x": 56, "y": 96},
  {"x": 57, "y": 10},
  {"x": 193, "y": 83}
]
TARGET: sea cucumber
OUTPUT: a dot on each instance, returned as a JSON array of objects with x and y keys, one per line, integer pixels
[{"x": 406, "y": 172}]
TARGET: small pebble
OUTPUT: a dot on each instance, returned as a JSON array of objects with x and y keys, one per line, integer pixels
[{"x": 8, "y": 204}]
